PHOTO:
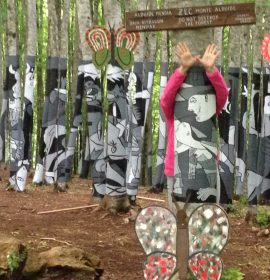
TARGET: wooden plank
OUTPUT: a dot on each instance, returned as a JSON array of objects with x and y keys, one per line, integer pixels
[{"x": 191, "y": 17}]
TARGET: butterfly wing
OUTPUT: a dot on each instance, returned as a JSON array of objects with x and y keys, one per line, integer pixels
[
  {"x": 159, "y": 265},
  {"x": 205, "y": 265},
  {"x": 99, "y": 40},
  {"x": 265, "y": 47},
  {"x": 208, "y": 229},
  {"x": 155, "y": 227},
  {"x": 125, "y": 43}
]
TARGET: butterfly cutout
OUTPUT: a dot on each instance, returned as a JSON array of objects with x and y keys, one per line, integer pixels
[
  {"x": 108, "y": 45},
  {"x": 265, "y": 47},
  {"x": 208, "y": 229}
]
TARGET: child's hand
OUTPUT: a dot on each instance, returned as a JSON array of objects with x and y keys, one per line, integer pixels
[
  {"x": 185, "y": 57},
  {"x": 209, "y": 58}
]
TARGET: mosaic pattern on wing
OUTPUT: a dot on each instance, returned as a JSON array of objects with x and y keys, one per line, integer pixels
[
  {"x": 156, "y": 230},
  {"x": 208, "y": 229},
  {"x": 159, "y": 266},
  {"x": 205, "y": 265}
]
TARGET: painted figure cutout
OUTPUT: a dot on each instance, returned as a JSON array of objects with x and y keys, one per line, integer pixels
[
  {"x": 195, "y": 140},
  {"x": 17, "y": 175},
  {"x": 139, "y": 100},
  {"x": 227, "y": 121},
  {"x": 117, "y": 132},
  {"x": 76, "y": 122},
  {"x": 115, "y": 48},
  {"x": 208, "y": 231},
  {"x": 92, "y": 88},
  {"x": 51, "y": 158},
  {"x": 19, "y": 179}
]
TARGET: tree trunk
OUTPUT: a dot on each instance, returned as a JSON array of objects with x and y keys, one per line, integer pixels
[
  {"x": 197, "y": 39},
  {"x": 150, "y": 52},
  {"x": 3, "y": 100}
]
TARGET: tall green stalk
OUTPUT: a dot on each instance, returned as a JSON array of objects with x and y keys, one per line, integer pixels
[
  {"x": 40, "y": 74},
  {"x": 71, "y": 48}
]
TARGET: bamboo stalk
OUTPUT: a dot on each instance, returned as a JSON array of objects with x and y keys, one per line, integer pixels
[{"x": 68, "y": 209}]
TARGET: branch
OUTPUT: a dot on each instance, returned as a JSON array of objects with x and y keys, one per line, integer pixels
[{"x": 68, "y": 209}]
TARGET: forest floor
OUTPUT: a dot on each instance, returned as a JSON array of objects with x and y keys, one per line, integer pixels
[{"x": 111, "y": 237}]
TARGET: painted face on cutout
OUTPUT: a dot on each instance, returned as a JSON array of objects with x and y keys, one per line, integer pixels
[
  {"x": 21, "y": 177},
  {"x": 203, "y": 106}
]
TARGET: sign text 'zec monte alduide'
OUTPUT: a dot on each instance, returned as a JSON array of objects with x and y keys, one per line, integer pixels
[{"x": 191, "y": 17}]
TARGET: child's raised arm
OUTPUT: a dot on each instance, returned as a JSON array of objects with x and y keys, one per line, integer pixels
[{"x": 176, "y": 80}]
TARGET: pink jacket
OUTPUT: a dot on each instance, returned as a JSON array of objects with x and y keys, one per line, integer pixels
[{"x": 167, "y": 105}]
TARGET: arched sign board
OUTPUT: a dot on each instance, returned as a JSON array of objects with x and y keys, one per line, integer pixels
[{"x": 190, "y": 17}]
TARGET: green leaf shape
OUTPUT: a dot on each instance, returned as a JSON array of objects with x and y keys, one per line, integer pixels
[
  {"x": 124, "y": 57},
  {"x": 101, "y": 58}
]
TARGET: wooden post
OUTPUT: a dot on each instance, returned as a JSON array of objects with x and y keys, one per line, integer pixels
[{"x": 182, "y": 244}]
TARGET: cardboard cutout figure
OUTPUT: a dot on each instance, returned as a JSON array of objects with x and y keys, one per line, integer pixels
[{"x": 195, "y": 139}]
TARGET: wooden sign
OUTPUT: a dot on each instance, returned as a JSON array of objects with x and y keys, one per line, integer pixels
[{"x": 191, "y": 17}]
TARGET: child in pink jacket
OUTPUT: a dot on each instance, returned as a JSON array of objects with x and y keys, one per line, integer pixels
[{"x": 172, "y": 88}]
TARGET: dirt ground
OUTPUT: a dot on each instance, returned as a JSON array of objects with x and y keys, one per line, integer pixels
[{"x": 110, "y": 237}]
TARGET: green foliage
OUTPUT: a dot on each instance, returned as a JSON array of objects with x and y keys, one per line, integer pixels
[
  {"x": 263, "y": 218},
  {"x": 21, "y": 27},
  {"x": 233, "y": 273},
  {"x": 231, "y": 208},
  {"x": 15, "y": 259},
  {"x": 225, "y": 50},
  {"x": 100, "y": 19},
  {"x": 243, "y": 200},
  {"x": 70, "y": 68}
]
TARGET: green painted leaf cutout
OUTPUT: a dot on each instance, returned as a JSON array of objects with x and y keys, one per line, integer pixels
[
  {"x": 101, "y": 58},
  {"x": 124, "y": 57}
]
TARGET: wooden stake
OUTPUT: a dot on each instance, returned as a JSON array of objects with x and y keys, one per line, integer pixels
[
  {"x": 151, "y": 199},
  {"x": 68, "y": 209}
]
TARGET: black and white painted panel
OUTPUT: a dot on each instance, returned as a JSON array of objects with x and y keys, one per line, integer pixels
[
  {"x": 118, "y": 132},
  {"x": 52, "y": 139},
  {"x": 76, "y": 123},
  {"x": 3, "y": 127},
  {"x": 56, "y": 130},
  {"x": 148, "y": 82},
  {"x": 195, "y": 140},
  {"x": 139, "y": 100},
  {"x": 258, "y": 168},
  {"x": 253, "y": 126},
  {"x": 93, "y": 93},
  {"x": 18, "y": 179},
  {"x": 265, "y": 132},
  {"x": 12, "y": 86},
  {"x": 240, "y": 163},
  {"x": 228, "y": 137}
]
